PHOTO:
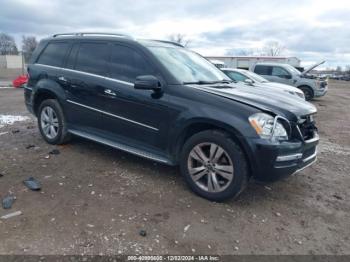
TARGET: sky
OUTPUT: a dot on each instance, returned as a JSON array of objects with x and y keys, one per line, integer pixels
[{"x": 308, "y": 29}]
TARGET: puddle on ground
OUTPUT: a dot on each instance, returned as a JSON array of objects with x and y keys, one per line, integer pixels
[{"x": 11, "y": 119}]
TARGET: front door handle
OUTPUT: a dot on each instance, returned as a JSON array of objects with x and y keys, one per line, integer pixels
[{"x": 110, "y": 92}]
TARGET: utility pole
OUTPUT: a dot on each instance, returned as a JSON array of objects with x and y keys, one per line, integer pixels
[{"x": 22, "y": 62}]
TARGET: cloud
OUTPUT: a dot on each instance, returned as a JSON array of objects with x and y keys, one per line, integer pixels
[{"x": 311, "y": 30}]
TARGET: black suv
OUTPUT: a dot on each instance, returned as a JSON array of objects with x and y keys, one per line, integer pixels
[{"x": 158, "y": 100}]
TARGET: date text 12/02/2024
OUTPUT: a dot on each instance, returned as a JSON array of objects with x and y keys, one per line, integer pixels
[{"x": 174, "y": 258}]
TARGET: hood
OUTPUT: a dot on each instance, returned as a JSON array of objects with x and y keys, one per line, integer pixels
[
  {"x": 307, "y": 70},
  {"x": 278, "y": 103},
  {"x": 279, "y": 86}
]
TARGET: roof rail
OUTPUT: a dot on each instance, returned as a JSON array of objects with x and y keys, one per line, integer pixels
[
  {"x": 168, "y": 42},
  {"x": 92, "y": 33}
]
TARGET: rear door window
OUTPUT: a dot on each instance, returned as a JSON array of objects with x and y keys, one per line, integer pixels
[
  {"x": 92, "y": 58},
  {"x": 126, "y": 64},
  {"x": 72, "y": 56},
  {"x": 263, "y": 70},
  {"x": 54, "y": 54}
]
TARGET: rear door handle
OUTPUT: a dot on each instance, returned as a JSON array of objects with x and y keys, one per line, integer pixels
[{"x": 110, "y": 92}]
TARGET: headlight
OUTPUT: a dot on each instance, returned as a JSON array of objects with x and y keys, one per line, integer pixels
[
  {"x": 263, "y": 125},
  {"x": 301, "y": 95}
]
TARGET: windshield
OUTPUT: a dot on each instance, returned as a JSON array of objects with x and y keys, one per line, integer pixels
[
  {"x": 255, "y": 77},
  {"x": 187, "y": 66},
  {"x": 293, "y": 69}
]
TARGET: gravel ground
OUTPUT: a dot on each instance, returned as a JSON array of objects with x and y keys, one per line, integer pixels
[
  {"x": 8, "y": 74},
  {"x": 95, "y": 199}
]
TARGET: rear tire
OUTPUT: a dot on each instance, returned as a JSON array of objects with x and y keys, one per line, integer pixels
[
  {"x": 52, "y": 123},
  {"x": 214, "y": 166},
  {"x": 309, "y": 94}
]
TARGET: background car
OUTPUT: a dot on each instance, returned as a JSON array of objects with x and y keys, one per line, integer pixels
[
  {"x": 345, "y": 78},
  {"x": 286, "y": 74},
  {"x": 241, "y": 75}
]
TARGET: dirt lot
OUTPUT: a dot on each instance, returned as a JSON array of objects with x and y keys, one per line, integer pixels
[{"x": 95, "y": 199}]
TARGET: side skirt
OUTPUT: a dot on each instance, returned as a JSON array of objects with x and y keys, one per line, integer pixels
[{"x": 122, "y": 147}]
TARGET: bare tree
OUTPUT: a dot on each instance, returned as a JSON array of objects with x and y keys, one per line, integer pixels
[
  {"x": 29, "y": 43},
  {"x": 180, "y": 39},
  {"x": 7, "y": 45},
  {"x": 273, "y": 48}
]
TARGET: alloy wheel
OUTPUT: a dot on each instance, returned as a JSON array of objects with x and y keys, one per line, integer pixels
[
  {"x": 210, "y": 167},
  {"x": 49, "y": 122}
]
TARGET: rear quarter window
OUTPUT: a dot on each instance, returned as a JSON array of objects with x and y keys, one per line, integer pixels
[
  {"x": 54, "y": 54},
  {"x": 263, "y": 70}
]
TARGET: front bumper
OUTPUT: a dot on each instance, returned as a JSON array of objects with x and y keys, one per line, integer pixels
[
  {"x": 321, "y": 91},
  {"x": 274, "y": 161}
]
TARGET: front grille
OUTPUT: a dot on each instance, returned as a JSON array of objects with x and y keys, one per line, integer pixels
[
  {"x": 323, "y": 84},
  {"x": 307, "y": 127}
]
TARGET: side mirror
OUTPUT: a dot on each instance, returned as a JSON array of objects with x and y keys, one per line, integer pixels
[
  {"x": 249, "y": 81},
  {"x": 147, "y": 82}
]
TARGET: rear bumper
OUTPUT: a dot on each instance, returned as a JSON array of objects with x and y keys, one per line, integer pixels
[
  {"x": 279, "y": 160},
  {"x": 28, "y": 98}
]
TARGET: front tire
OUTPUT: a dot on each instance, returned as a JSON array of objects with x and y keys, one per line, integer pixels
[
  {"x": 214, "y": 165},
  {"x": 309, "y": 94},
  {"x": 52, "y": 123}
]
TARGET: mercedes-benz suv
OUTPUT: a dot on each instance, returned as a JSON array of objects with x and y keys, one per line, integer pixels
[{"x": 161, "y": 101}]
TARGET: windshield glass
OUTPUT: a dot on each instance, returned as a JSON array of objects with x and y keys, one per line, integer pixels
[
  {"x": 293, "y": 69},
  {"x": 187, "y": 66},
  {"x": 255, "y": 77}
]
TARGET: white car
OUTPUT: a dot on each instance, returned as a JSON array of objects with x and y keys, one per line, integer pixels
[{"x": 250, "y": 78}]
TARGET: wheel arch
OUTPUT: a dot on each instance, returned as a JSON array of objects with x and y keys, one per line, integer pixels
[
  {"x": 308, "y": 87},
  {"x": 46, "y": 89},
  {"x": 199, "y": 125}
]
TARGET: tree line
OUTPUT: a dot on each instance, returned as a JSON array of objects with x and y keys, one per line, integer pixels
[
  {"x": 273, "y": 48},
  {"x": 8, "y": 45}
]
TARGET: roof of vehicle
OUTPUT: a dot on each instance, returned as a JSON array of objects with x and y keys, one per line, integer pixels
[
  {"x": 255, "y": 57},
  {"x": 216, "y": 62},
  {"x": 270, "y": 64},
  {"x": 112, "y": 37},
  {"x": 233, "y": 69}
]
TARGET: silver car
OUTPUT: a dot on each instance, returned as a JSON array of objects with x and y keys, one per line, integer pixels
[
  {"x": 287, "y": 74},
  {"x": 253, "y": 79}
]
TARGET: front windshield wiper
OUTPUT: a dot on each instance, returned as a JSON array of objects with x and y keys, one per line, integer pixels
[
  {"x": 225, "y": 81},
  {"x": 200, "y": 82},
  {"x": 203, "y": 82}
]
